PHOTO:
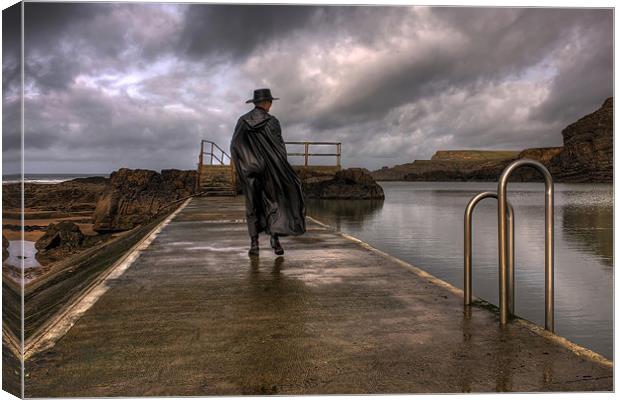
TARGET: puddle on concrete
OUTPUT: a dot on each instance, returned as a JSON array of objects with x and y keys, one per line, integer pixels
[
  {"x": 179, "y": 243},
  {"x": 218, "y": 249}
]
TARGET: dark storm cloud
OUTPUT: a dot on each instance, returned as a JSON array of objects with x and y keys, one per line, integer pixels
[
  {"x": 235, "y": 30},
  {"x": 46, "y": 26},
  {"x": 138, "y": 85},
  {"x": 11, "y": 88},
  {"x": 64, "y": 40}
]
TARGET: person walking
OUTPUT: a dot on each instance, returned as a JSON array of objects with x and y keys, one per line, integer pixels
[{"x": 274, "y": 199}]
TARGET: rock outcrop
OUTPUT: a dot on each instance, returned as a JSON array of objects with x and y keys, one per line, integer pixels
[
  {"x": 63, "y": 239},
  {"x": 587, "y": 155},
  {"x": 350, "y": 183},
  {"x": 134, "y": 196},
  {"x": 60, "y": 240}
]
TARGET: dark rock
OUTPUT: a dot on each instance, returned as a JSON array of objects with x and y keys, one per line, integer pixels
[
  {"x": 587, "y": 155},
  {"x": 133, "y": 197},
  {"x": 350, "y": 183},
  {"x": 60, "y": 239},
  {"x": 5, "y": 248},
  {"x": 97, "y": 180}
]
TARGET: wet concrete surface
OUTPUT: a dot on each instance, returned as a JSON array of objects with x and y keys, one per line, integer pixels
[{"x": 194, "y": 315}]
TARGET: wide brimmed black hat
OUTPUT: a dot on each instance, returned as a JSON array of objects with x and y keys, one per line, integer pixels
[{"x": 262, "y": 95}]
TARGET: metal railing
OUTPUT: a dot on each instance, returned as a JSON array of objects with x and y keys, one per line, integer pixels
[
  {"x": 505, "y": 226},
  {"x": 467, "y": 262},
  {"x": 222, "y": 154},
  {"x": 549, "y": 251},
  {"x": 306, "y": 154}
]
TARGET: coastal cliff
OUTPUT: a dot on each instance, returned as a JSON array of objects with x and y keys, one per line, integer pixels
[{"x": 586, "y": 156}]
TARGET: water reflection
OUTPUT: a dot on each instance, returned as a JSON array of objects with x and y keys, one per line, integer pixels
[
  {"x": 335, "y": 212},
  {"x": 590, "y": 228},
  {"x": 269, "y": 349}
]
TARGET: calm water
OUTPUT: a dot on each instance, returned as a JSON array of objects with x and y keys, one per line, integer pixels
[{"x": 422, "y": 223}]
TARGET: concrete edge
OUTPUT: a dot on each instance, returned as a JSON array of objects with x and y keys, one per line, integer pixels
[
  {"x": 562, "y": 341},
  {"x": 60, "y": 324}
]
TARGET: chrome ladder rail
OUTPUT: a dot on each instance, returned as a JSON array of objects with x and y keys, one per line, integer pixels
[
  {"x": 503, "y": 251},
  {"x": 467, "y": 262},
  {"x": 505, "y": 228}
]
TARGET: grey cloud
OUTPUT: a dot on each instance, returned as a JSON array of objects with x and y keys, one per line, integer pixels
[{"x": 489, "y": 45}]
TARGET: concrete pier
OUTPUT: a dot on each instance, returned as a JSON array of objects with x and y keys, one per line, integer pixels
[{"x": 194, "y": 315}]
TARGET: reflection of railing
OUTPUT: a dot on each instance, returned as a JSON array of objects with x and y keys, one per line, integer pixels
[
  {"x": 306, "y": 154},
  {"x": 222, "y": 154},
  {"x": 506, "y": 243}
]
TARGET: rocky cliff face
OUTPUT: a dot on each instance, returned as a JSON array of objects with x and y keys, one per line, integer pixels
[
  {"x": 135, "y": 196},
  {"x": 350, "y": 183},
  {"x": 587, "y": 156}
]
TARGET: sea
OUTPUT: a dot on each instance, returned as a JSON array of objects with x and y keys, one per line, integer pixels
[{"x": 46, "y": 178}]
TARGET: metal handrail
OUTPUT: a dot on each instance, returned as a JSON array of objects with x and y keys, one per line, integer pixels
[
  {"x": 503, "y": 254},
  {"x": 307, "y": 154},
  {"x": 211, "y": 153},
  {"x": 467, "y": 262}
]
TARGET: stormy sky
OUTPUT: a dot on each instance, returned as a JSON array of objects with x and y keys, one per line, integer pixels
[{"x": 138, "y": 85}]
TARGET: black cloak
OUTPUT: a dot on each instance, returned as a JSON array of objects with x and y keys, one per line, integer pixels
[{"x": 273, "y": 192}]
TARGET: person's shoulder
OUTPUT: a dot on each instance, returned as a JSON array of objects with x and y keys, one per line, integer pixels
[{"x": 274, "y": 120}]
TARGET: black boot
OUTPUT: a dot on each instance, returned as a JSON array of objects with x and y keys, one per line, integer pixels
[
  {"x": 253, "y": 246},
  {"x": 275, "y": 244}
]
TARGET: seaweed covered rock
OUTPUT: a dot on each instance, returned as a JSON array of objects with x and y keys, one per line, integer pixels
[{"x": 350, "y": 183}]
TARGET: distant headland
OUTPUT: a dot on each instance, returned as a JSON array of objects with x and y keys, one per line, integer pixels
[{"x": 586, "y": 156}]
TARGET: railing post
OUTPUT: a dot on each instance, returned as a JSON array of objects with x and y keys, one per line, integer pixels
[
  {"x": 338, "y": 156},
  {"x": 306, "y": 147},
  {"x": 202, "y": 150},
  {"x": 504, "y": 254},
  {"x": 211, "y": 153}
]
